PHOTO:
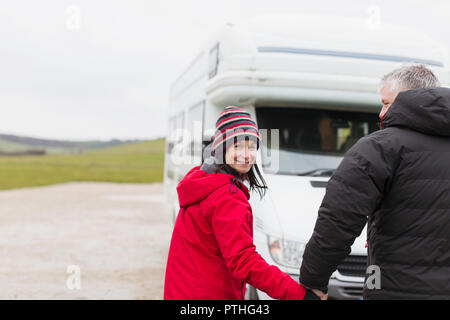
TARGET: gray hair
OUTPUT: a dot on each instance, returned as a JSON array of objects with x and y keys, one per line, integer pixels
[{"x": 410, "y": 77}]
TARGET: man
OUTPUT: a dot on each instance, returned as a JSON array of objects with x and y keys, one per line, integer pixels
[{"x": 398, "y": 181}]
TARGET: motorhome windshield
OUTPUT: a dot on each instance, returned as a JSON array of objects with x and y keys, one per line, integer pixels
[{"x": 311, "y": 142}]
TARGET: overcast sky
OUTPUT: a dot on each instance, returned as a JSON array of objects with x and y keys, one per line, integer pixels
[{"x": 101, "y": 69}]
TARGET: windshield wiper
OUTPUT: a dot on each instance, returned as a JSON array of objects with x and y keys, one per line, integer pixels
[{"x": 318, "y": 173}]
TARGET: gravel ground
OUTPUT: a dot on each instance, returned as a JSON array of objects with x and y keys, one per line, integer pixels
[{"x": 116, "y": 235}]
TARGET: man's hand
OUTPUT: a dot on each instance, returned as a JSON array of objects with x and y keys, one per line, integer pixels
[{"x": 320, "y": 294}]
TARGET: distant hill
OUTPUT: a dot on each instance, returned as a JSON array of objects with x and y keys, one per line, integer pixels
[
  {"x": 140, "y": 162},
  {"x": 12, "y": 144}
]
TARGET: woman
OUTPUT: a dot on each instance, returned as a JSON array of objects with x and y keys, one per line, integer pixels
[{"x": 212, "y": 255}]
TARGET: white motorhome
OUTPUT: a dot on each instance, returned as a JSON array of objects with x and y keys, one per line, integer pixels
[{"x": 312, "y": 83}]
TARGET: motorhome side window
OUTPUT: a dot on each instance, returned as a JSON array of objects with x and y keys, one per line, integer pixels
[
  {"x": 195, "y": 130},
  {"x": 171, "y": 142},
  {"x": 180, "y": 122},
  {"x": 176, "y": 135},
  {"x": 311, "y": 141}
]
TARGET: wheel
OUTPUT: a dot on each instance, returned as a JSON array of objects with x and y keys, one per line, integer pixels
[{"x": 251, "y": 293}]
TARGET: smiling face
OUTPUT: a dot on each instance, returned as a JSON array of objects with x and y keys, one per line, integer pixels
[
  {"x": 388, "y": 95},
  {"x": 241, "y": 155}
]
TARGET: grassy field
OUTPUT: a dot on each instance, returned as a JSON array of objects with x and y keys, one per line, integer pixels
[
  {"x": 9, "y": 143},
  {"x": 140, "y": 162}
]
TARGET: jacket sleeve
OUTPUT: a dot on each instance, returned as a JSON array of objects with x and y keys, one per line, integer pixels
[
  {"x": 231, "y": 223},
  {"x": 353, "y": 193}
]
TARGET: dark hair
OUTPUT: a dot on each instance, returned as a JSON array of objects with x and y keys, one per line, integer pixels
[{"x": 254, "y": 177}]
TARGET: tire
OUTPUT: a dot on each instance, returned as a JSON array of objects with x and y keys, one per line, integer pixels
[{"x": 251, "y": 293}]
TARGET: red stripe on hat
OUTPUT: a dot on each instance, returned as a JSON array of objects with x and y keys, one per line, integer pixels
[
  {"x": 244, "y": 124},
  {"x": 231, "y": 118}
]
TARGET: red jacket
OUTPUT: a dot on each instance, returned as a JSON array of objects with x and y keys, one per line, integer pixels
[{"x": 212, "y": 255}]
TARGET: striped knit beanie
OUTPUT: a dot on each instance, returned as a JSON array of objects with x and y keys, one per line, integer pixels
[{"x": 234, "y": 124}]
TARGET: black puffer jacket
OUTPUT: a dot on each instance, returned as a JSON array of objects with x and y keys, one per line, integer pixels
[{"x": 398, "y": 181}]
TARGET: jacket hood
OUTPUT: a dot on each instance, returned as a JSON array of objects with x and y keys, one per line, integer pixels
[
  {"x": 426, "y": 110},
  {"x": 197, "y": 184}
]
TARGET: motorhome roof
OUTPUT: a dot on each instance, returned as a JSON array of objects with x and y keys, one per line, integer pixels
[
  {"x": 330, "y": 58},
  {"x": 340, "y": 36}
]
